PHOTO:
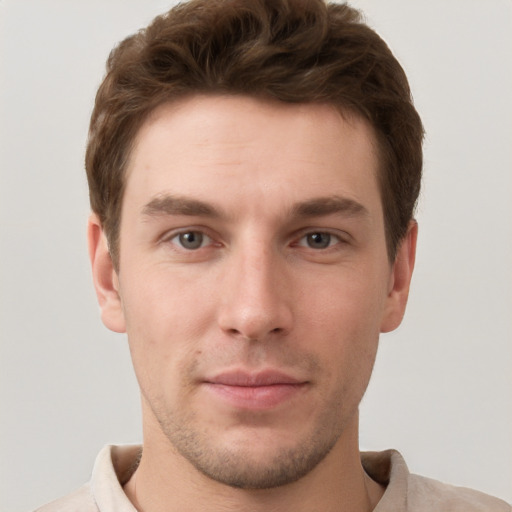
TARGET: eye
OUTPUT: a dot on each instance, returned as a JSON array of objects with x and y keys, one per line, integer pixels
[
  {"x": 319, "y": 240},
  {"x": 191, "y": 240}
]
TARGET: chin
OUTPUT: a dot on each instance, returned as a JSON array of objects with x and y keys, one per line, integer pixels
[{"x": 254, "y": 458}]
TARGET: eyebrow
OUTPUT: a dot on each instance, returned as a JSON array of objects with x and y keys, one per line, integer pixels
[
  {"x": 179, "y": 205},
  {"x": 320, "y": 206},
  {"x": 316, "y": 207}
]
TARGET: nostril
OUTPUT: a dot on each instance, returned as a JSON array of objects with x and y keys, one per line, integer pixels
[{"x": 236, "y": 332}]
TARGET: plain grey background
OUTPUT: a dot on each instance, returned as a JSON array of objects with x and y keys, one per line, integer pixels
[{"x": 442, "y": 387}]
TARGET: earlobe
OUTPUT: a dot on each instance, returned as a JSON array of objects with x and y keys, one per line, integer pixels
[
  {"x": 105, "y": 277},
  {"x": 400, "y": 280}
]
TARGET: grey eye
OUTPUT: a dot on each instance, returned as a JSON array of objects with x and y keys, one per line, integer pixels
[
  {"x": 318, "y": 240},
  {"x": 191, "y": 239}
]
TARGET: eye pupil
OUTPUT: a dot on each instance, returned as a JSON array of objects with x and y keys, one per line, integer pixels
[
  {"x": 319, "y": 240},
  {"x": 191, "y": 240}
]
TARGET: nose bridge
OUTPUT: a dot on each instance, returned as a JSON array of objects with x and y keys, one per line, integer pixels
[{"x": 256, "y": 299}]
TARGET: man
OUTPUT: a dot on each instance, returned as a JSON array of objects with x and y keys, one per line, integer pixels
[{"x": 253, "y": 170}]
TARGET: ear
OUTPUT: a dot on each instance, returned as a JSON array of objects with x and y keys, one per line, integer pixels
[
  {"x": 105, "y": 277},
  {"x": 400, "y": 280}
]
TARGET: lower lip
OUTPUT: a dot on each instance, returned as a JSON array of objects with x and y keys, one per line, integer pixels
[{"x": 255, "y": 397}]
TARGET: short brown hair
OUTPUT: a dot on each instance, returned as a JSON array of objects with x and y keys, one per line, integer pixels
[{"x": 289, "y": 50}]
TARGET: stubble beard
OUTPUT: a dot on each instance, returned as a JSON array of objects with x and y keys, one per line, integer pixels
[
  {"x": 236, "y": 465},
  {"x": 237, "y": 462}
]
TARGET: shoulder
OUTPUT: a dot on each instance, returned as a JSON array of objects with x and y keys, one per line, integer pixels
[
  {"x": 80, "y": 500},
  {"x": 406, "y": 491},
  {"x": 428, "y": 494},
  {"x": 113, "y": 468}
]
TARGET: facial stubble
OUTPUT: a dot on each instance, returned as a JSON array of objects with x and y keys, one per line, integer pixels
[{"x": 235, "y": 465}]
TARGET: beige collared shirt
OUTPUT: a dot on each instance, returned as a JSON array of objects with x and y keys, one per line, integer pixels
[{"x": 405, "y": 492}]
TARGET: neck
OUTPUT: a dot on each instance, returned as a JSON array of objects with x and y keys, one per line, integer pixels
[{"x": 165, "y": 481}]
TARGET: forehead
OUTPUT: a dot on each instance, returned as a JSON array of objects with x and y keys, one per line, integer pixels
[{"x": 202, "y": 145}]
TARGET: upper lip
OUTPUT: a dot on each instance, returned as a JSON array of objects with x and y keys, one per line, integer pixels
[{"x": 253, "y": 379}]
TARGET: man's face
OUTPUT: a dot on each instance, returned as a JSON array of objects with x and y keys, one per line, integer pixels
[{"x": 253, "y": 283}]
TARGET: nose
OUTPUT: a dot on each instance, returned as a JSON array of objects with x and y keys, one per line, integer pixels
[{"x": 256, "y": 298}]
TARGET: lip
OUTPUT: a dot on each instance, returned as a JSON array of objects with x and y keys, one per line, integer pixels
[
  {"x": 249, "y": 379},
  {"x": 257, "y": 391}
]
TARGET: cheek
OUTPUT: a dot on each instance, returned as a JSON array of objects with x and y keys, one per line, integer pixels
[
  {"x": 345, "y": 314},
  {"x": 164, "y": 320},
  {"x": 348, "y": 301},
  {"x": 161, "y": 302}
]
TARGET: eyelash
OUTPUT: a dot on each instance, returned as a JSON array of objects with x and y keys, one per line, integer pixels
[
  {"x": 175, "y": 239},
  {"x": 206, "y": 240}
]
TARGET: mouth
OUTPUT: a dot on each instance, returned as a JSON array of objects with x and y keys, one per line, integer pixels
[{"x": 254, "y": 391}]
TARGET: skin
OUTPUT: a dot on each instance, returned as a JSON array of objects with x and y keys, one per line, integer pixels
[{"x": 231, "y": 262}]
